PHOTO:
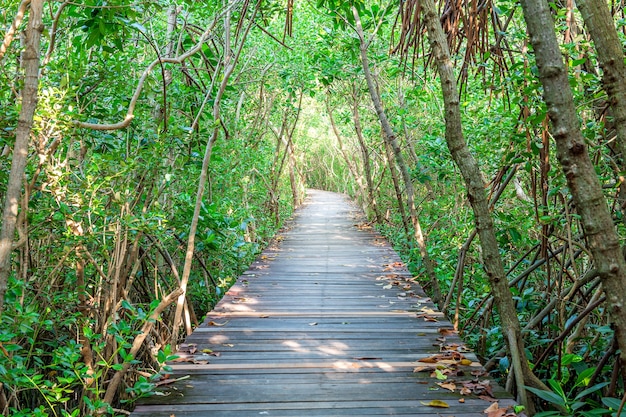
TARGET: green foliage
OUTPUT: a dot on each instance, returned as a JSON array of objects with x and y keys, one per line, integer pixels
[
  {"x": 582, "y": 404},
  {"x": 108, "y": 212}
]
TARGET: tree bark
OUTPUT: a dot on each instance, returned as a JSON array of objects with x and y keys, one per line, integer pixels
[
  {"x": 470, "y": 170},
  {"x": 396, "y": 186},
  {"x": 30, "y": 64},
  {"x": 8, "y": 37},
  {"x": 391, "y": 138},
  {"x": 367, "y": 170},
  {"x": 610, "y": 55},
  {"x": 579, "y": 171}
]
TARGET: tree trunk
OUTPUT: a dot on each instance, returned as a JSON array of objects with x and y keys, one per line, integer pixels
[
  {"x": 610, "y": 55},
  {"x": 230, "y": 59},
  {"x": 477, "y": 197},
  {"x": 350, "y": 164},
  {"x": 396, "y": 186},
  {"x": 579, "y": 171},
  {"x": 390, "y": 137},
  {"x": 30, "y": 63},
  {"x": 294, "y": 178},
  {"x": 367, "y": 170}
]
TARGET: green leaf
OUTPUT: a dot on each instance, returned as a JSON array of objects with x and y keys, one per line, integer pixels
[
  {"x": 585, "y": 376},
  {"x": 570, "y": 358},
  {"x": 548, "y": 396},
  {"x": 590, "y": 390},
  {"x": 556, "y": 386},
  {"x": 613, "y": 403},
  {"x": 139, "y": 27}
]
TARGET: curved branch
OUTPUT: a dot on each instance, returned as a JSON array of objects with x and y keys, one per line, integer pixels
[
  {"x": 133, "y": 102},
  {"x": 53, "y": 33},
  {"x": 8, "y": 37}
]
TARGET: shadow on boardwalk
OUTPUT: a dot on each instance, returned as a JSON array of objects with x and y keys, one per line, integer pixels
[{"x": 327, "y": 322}]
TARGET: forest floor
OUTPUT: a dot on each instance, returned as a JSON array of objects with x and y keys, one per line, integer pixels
[{"x": 327, "y": 322}]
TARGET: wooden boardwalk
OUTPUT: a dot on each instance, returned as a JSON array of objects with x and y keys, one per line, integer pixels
[{"x": 327, "y": 322}]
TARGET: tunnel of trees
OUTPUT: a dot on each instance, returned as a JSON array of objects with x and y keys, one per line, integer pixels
[{"x": 150, "y": 149}]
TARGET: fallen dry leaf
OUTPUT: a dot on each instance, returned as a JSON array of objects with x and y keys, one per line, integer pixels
[
  {"x": 487, "y": 398},
  {"x": 491, "y": 408},
  {"x": 450, "y": 346},
  {"x": 436, "y": 404},
  {"x": 191, "y": 359},
  {"x": 165, "y": 382},
  {"x": 426, "y": 317},
  {"x": 482, "y": 389},
  {"x": 451, "y": 386},
  {"x": 495, "y": 411},
  {"x": 188, "y": 348},
  {"x": 213, "y": 323},
  {"x": 446, "y": 332},
  {"x": 168, "y": 381}
]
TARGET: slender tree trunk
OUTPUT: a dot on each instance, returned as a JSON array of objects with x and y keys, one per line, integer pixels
[
  {"x": 396, "y": 186},
  {"x": 296, "y": 195},
  {"x": 30, "y": 64},
  {"x": 367, "y": 170},
  {"x": 351, "y": 165},
  {"x": 477, "y": 197},
  {"x": 610, "y": 55},
  {"x": 230, "y": 60},
  {"x": 579, "y": 171},
  {"x": 390, "y": 136}
]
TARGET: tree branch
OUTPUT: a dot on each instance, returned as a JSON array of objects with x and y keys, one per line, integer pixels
[
  {"x": 133, "y": 102},
  {"x": 53, "y": 33},
  {"x": 8, "y": 37},
  {"x": 138, "y": 342}
]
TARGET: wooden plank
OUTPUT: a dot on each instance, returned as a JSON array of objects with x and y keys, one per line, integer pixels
[
  {"x": 471, "y": 407},
  {"x": 316, "y": 327}
]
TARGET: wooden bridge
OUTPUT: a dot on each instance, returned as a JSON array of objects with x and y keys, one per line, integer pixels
[{"x": 327, "y": 322}]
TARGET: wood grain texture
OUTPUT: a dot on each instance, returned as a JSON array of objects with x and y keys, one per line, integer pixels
[{"x": 327, "y": 322}]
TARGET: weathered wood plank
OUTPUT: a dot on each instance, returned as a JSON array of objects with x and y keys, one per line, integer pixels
[{"x": 326, "y": 322}]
